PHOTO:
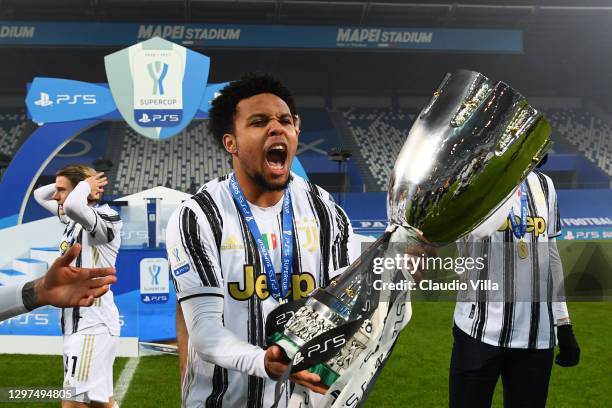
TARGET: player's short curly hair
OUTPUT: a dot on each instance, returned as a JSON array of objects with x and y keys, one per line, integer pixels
[
  {"x": 76, "y": 173},
  {"x": 223, "y": 107}
]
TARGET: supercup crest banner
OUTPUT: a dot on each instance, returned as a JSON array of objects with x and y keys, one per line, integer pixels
[{"x": 152, "y": 84}]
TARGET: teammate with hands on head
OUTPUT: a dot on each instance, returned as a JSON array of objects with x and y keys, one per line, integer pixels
[{"x": 90, "y": 333}]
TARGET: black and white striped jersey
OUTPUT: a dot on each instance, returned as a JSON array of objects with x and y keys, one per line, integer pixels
[
  {"x": 99, "y": 249},
  {"x": 98, "y": 230},
  {"x": 212, "y": 254},
  {"x": 522, "y": 312}
]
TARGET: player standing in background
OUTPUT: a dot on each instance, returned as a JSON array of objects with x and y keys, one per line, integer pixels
[
  {"x": 511, "y": 332},
  {"x": 90, "y": 333},
  {"x": 246, "y": 242}
]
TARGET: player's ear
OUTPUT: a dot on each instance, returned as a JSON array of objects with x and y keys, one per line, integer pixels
[
  {"x": 297, "y": 123},
  {"x": 229, "y": 142}
]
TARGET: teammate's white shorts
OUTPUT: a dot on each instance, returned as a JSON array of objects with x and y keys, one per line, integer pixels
[{"x": 88, "y": 365}]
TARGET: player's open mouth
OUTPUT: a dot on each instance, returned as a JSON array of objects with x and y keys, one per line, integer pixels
[{"x": 276, "y": 156}]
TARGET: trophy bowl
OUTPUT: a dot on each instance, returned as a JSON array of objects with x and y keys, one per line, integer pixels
[{"x": 467, "y": 151}]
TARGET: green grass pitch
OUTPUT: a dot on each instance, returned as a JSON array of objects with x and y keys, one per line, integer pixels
[{"x": 416, "y": 375}]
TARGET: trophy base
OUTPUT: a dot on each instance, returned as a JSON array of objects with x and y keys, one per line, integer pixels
[{"x": 327, "y": 375}]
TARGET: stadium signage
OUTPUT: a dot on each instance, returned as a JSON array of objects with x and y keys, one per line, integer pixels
[
  {"x": 154, "y": 86},
  {"x": 264, "y": 36},
  {"x": 60, "y": 100},
  {"x": 380, "y": 36},
  {"x": 158, "y": 87},
  {"x": 185, "y": 33},
  {"x": 587, "y": 222},
  {"x": 17, "y": 31},
  {"x": 154, "y": 280}
]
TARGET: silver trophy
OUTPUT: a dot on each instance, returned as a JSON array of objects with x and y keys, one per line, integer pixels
[{"x": 469, "y": 148}]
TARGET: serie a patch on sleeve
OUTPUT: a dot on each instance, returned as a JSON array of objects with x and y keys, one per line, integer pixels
[{"x": 179, "y": 263}]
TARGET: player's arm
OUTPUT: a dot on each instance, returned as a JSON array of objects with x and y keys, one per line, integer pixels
[
  {"x": 103, "y": 228},
  {"x": 569, "y": 351},
  {"x": 62, "y": 286},
  {"x": 346, "y": 246},
  {"x": 182, "y": 340},
  {"x": 196, "y": 271},
  {"x": 76, "y": 206},
  {"x": 43, "y": 196}
]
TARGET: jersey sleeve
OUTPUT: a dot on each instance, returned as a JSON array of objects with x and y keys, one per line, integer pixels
[
  {"x": 106, "y": 229},
  {"x": 559, "y": 307},
  {"x": 554, "y": 218},
  {"x": 346, "y": 247},
  {"x": 193, "y": 254},
  {"x": 217, "y": 344},
  {"x": 43, "y": 195},
  {"x": 11, "y": 301},
  {"x": 103, "y": 227}
]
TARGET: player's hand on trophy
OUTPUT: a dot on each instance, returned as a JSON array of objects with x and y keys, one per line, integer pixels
[
  {"x": 67, "y": 286},
  {"x": 309, "y": 380},
  {"x": 277, "y": 364},
  {"x": 96, "y": 183}
]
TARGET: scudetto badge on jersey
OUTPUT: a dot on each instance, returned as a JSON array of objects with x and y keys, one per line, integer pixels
[{"x": 178, "y": 260}]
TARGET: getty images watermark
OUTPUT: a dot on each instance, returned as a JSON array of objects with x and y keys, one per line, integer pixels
[
  {"x": 421, "y": 264},
  {"x": 533, "y": 271}
]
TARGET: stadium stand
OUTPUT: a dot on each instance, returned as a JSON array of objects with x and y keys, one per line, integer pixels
[
  {"x": 379, "y": 135},
  {"x": 588, "y": 133},
  {"x": 13, "y": 125},
  {"x": 146, "y": 163}
]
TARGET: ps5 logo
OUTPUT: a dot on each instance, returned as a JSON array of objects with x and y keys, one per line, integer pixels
[
  {"x": 157, "y": 118},
  {"x": 157, "y": 71},
  {"x": 144, "y": 118},
  {"x": 83, "y": 99},
  {"x": 44, "y": 100}
]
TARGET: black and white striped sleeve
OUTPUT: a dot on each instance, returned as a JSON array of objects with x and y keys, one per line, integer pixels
[
  {"x": 193, "y": 253},
  {"x": 346, "y": 247},
  {"x": 106, "y": 227},
  {"x": 554, "y": 218}
]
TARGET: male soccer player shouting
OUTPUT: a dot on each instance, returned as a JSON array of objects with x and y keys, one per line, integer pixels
[{"x": 246, "y": 242}]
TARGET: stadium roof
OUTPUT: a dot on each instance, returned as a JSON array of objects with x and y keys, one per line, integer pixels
[
  {"x": 376, "y": 12},
  {"x": 567, "y": 43}
]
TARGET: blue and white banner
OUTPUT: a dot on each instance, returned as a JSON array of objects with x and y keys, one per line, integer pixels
[
  {"x": 585, "y": 234},
  {"x": 155, "y": 86},
  {"x": 54, "y": 100},
  {"x": 61, "y": 100},
  {"x": 264, "y": 36}
]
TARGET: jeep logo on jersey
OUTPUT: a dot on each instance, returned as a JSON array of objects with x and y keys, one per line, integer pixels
[
  {"x": 153, "y": 86},
  {"x": 301, "y": 285},
  {"x": 535, "y": 225}
]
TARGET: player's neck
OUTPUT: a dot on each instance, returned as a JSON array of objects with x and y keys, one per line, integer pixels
[{"x": 255, "y": 194}]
